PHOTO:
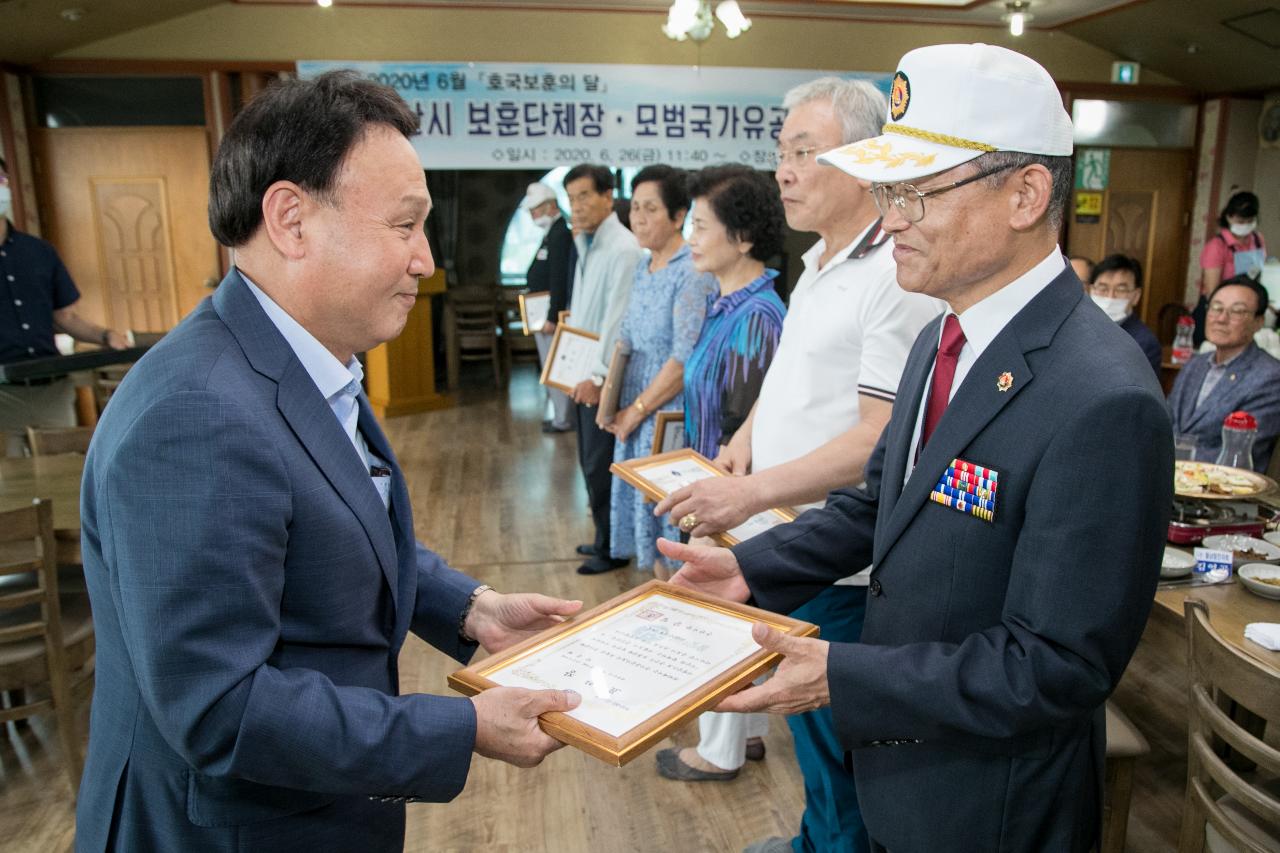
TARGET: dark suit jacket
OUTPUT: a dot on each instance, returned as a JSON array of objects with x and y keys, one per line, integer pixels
[
  {"x": 1252, "y": 384},
  {"x": 1146, "y": 339},
  {"x": 973, "y": 704},
  {"x": 552, "y": 268},
  {"x": 251, "y": 595}
]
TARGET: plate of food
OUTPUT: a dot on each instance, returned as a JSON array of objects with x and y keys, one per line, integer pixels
[
  {"x": 1261, "y": 578},
  {"x": 1176, "y": 563},
  {"x": 1218, "y": 482},
  {"x": 1244, "y": 549}
]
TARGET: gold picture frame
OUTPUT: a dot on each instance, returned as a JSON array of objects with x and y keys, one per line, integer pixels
[
  {"x": 668, "y": 431},
  {"x": 534, "y": 305},
  {"x": 622, "y": 748},
  {"x": 563, "y": 374},
  {"x": 639, "y": 473}
]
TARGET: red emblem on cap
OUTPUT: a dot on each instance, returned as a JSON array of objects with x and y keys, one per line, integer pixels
[{"x": 899, "y": 96}]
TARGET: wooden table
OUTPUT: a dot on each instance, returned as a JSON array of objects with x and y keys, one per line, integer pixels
[
  {"x": 55, "y": 478},
  {"x": 1231, "y": 607}
]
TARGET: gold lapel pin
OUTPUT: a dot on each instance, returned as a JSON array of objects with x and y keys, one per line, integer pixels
[{"x": 1004, "y": 381}]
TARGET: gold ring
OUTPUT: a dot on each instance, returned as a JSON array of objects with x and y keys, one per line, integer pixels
[{"x": 689, "y": 522}]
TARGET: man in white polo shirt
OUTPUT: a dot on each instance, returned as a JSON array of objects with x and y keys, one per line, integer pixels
[{"x": 823, "y": 405}]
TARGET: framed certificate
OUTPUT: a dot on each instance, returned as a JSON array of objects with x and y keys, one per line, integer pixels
[
  {"x": 660, "y": 475},
  {"x": 668, "y": 432},
  {"x": 572, "y": 355},
  {"x": 645, "y": 663},
  {"x": 611, "y": 393},
  {"x": 533, "y": 310}
]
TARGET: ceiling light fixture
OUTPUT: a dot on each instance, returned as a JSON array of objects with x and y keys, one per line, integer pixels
[
  {"x": 692, "y": 19},
  {"x": 1017, "y": 16},
  {"x": 324, "y": 4}
]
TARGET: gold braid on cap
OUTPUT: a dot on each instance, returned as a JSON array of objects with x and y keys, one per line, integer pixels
[{"x": 939, "y": 138}]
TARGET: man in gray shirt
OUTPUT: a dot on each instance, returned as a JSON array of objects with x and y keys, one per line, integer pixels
[{"x": 607, "y": 258}]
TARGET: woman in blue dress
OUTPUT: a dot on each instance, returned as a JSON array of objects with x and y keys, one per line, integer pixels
[
  {"x": 664, "y": 316},
  {"x": 737, "y": 226}
]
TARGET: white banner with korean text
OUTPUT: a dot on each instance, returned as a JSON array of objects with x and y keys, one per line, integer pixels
[{"x": 513, "y": 115}]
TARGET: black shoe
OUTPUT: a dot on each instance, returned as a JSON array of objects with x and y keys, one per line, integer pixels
[
  {"x": 587, "y": 550},
  {"x": 600, "y": 565},
  {"x": 551, "y": 429}
]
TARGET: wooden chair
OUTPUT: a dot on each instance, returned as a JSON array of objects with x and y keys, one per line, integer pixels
[
  {"x": 1125, "y": 745},
  {"x": 105, "y": 382},
  {"x": 518, "y": 345},
  {"x": 48, "y": 441},
  {"x": 46, "y": 640},
  {"x": 1226, "y": 807},
  {"x": 472, "y": 320}
]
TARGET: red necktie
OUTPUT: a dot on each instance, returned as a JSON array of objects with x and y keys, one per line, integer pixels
[{"x": 944, "y": 371}]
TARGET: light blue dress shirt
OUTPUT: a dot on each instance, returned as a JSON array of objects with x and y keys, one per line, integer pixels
[{"x": 339, "y": 384}]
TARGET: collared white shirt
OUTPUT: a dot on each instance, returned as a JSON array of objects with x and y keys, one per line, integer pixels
[
  {"x": 848, "y": 330},
  {"x": 339, "y": 384},
  {"x": 602, "y": 280},
  {"x": 982, "y": 322}
]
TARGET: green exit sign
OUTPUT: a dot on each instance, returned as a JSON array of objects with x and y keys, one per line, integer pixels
[{"x": 1125, "y": 72}]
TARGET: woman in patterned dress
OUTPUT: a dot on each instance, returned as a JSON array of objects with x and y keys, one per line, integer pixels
[
  {"x": 664, "y": 316},
  {"x": 737, "y": 226}
]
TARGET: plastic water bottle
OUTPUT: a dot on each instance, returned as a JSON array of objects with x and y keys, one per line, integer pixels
[
  {"x": 1183, "y": 348},
  {"x": 1239, "y": 429}
]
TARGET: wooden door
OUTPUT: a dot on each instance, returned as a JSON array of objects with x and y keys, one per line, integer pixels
[
  {"x": 1146, "y": 213},
  {"x": 126, "y": 209}
]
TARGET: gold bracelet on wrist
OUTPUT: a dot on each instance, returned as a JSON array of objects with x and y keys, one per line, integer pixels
[{"x": 640, "y": 407}]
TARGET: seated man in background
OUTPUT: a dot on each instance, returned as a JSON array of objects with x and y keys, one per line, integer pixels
[
  {"x": 1116, "y": 287},
  {"x": 1237, "y": 376}
]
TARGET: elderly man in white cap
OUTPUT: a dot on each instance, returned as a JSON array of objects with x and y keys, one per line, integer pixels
[
  {"x": 551, "y": 271},
  {"x": 1015, "y": 508}
]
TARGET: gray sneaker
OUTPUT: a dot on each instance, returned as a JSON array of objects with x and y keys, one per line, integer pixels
[{"x": 774, "y": 844}]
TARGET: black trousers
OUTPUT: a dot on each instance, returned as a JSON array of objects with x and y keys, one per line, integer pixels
[{"x": 595, "y": 455}]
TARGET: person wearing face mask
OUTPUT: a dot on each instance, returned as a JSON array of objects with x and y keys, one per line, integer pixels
[
  {"x": 551, "y": 272},
  {"x": 1237, "y": 249},
  {"x": 37, "y": 298},
  {"x": 1116, "y": 288}
]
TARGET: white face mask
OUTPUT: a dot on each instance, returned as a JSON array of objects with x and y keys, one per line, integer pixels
[
  {"x": 1117, "y": 309},
  {"x": 543, "y": 222},
  {"x": 1243, "y": 229},
  {"x": 6, "y": 202}
]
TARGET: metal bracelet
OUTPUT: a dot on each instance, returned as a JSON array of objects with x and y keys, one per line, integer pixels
[{"x": 466, "y": 611}]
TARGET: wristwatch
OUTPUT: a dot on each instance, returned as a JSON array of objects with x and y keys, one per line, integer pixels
[{"x": 597, "y": 381}]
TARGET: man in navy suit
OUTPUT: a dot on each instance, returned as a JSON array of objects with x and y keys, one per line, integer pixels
[
  {"x": 1015, "y": 507},
  {"x": 248, "y": 541},
  {"x": 1236, "y": 376}
]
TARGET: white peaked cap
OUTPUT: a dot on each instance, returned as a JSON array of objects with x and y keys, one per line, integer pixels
[{"x": 950, "y": 103}]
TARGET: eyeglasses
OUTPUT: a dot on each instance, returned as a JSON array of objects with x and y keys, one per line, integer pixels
[
  {"x": 1235, "y": 313},
  {"x": 797, "y": 157},
  {"x": 908, "y": 200},
  {"x": 1120, "y": 291}
]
